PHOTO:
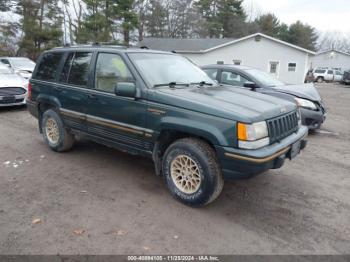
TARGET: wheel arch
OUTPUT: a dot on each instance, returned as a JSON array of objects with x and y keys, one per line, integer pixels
[
  {"x": 170, "y": 134},
  {"x": 45, "y": 102}
]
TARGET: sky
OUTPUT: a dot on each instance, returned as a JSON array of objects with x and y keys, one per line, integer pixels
[{"x": 324, "y": 15}]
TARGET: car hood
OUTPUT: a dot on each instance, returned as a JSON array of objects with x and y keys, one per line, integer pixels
[
  {"x": 12, "y": 80},
  {"x": 307, "y": 91},
  {"x": 25, "y": 68},
  {"x": 224, "y": 101}
]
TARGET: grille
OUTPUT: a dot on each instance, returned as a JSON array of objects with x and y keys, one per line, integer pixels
[
  {"x": 11, "y": 101},
  {"x": 282, "y": 126},
  {"x": 12, "y": 91}
]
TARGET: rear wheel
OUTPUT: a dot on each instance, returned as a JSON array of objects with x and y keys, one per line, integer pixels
[
  {"x": 320, "y": 79},
  {"x": 192, "y": 172},
  {"x": 56, "y": 136}
]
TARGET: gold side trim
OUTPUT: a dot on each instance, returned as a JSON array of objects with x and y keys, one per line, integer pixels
[
  {"x": 72, "y": 114},
  {"x": 156, "y": 111},
  {"x": 115, "y": 126},
  {"x": 93, "y": 119},
  {"x": 258, "y": 160}
]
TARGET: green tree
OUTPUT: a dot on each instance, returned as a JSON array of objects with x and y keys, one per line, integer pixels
[
  {"x": 268, "y": 24},
  {"x": 231, "y": 17},
  {"x": 223, "y": 17},
  {"x": 41, "y": 25},
  {"x": 8, "y": 38},
  {"x": 155, "y": 19},
  {"x": 97, "y": 21},
  {"x": 128, "y": 18},
  {"x": 283, "y": 32},
  {"x": 303, "y": 35}
]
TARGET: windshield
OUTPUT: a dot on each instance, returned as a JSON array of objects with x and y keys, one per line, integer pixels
[
  {"x": 264, "y": 78},
  {"x": 22, "y": 62},
  {"x": 158, "y": 69}
]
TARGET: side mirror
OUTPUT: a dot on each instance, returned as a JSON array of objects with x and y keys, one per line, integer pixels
[
  {"x": 126, "y": 89},
  {"x": 250, "y": 85}
]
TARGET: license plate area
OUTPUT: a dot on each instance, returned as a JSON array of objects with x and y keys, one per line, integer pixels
[
  {"x": 294, "y": 150},
  {"x": 8, "y": 99}
]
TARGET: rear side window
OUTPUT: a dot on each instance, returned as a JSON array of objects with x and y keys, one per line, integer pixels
[
  {"x": 79, "y": 70},
  {"x": 48, "y": 66},
  {"x": 66, "y": 68},
  {"x": 320, "y": 71}
]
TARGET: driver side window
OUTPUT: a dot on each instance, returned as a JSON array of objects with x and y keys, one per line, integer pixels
[
  {"x": 111, "y": 69},
  {"x": 233, "y": 79}
]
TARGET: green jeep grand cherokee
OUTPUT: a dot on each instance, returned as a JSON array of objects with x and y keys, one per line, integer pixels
[{"x": 162, "y": 106}]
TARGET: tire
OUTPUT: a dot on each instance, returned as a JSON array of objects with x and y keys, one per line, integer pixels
[
  {"x": 201, "y": 164},
  {"x": 60, "y": 139},
  {"x": 319, "y": 79}
]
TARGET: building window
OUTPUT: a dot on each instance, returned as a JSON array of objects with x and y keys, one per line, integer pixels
[
  {"x": 220, "y": 62},
  {"x": 237, "y": 62},
  {"x": 292, "y": 67},
  {"x": 274, "y": 67}
]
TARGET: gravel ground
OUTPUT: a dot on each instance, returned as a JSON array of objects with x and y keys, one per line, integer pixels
[{"x": 96, "y": 200}]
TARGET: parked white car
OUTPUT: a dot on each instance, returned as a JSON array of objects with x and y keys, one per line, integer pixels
[
  {"x": 13, "y": 87},
  {"x": 324, "y": 74},
  {"x": 21, "y": 65}
]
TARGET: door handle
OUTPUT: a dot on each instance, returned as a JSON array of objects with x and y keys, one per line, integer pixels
[{"x": 92, "y": 97}]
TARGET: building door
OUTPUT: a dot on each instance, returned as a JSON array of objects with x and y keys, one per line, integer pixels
[{"x": 274, "y": 68}]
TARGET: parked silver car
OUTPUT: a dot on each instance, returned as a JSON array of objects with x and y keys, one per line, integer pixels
[
  {"x": 21, "y": 65},
  {"x": 13, "y": 87}
]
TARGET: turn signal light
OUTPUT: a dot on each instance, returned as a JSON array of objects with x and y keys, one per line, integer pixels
[{"x": 242, "y": 131}]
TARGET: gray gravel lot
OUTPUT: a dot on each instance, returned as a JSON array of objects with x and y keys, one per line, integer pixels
[{"x": 96, "y": 200}]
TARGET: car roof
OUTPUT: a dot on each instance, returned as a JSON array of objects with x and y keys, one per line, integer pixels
[
  {"x": 227, "y": 66},
  {"x": 107, "y": 48}
]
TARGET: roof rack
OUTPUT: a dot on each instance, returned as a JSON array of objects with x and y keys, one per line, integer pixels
[{"x": 102, "y": 44}]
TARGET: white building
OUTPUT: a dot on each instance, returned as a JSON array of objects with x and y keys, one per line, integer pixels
[
  {"x": 287, "y": 62},
  {"x": 331, "y": 59}
]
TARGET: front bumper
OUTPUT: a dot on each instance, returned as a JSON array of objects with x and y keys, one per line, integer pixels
[
  {"x": 240, "y": 163},
  {"x": 17, "y": 100},
  {"x": 312, "y": 119}
]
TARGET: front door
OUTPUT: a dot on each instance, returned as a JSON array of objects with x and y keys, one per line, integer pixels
[
  {"x": 113, "y": 117},
  {"x": 274, "y": 68}
]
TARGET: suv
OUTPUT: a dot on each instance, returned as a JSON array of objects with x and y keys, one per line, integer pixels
[
  {"x": 346, "y": 77},
  {"x": 323, "y": 74},
  {"x": 162, "y": 106}
]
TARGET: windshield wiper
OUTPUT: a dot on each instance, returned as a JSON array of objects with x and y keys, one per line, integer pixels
[
  {"x": 171, "y": 84},
  {"x": 202, "y": 83}
]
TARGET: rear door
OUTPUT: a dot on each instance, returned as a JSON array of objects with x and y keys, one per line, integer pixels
[
  {"x": 113, "y": 117},
  {"x": 72, "y": 88},
  {"x": 337, "y": 76},
  {"x": 329, "y": 75},
  {"x": 45, "y": 77}
]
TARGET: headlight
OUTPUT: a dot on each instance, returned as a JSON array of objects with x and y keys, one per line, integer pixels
[
  {"x": 252, "y": 136},
  {"x": 305, "y": 103}
]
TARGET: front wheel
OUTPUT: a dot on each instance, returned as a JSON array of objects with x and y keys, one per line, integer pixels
[
  {"x": 192, "y": 172},
  {"x": 56, "y": 136}
]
